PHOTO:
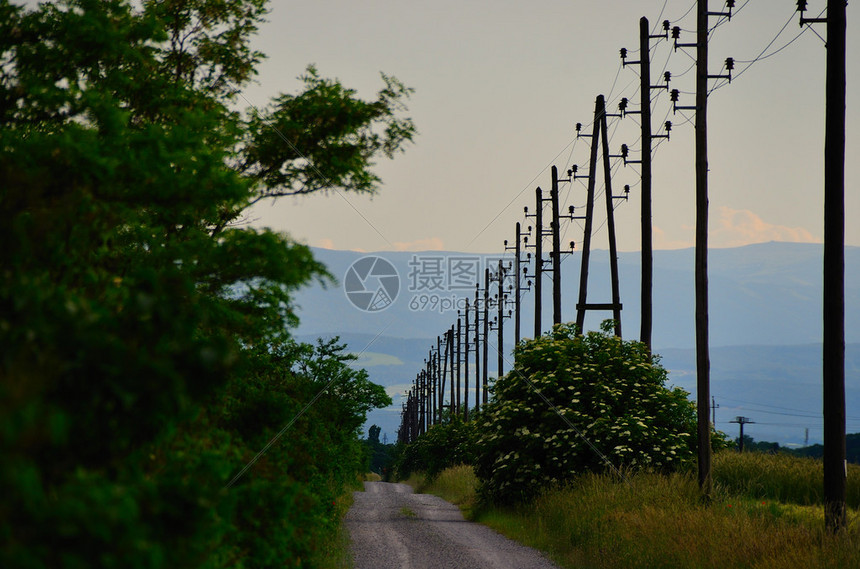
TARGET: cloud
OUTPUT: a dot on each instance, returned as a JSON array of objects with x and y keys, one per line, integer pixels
[
  {"x": 430, "y": 244},
  {"x": 738, "y": 227},
  {"x": 325, "y": 244}
]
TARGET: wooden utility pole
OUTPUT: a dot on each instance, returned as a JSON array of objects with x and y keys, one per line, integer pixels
[
  {"x": 610, "y": 228},
  {"x": 834, "y": 272},
  {"x": 538, "y": 258},
  {"x": 647, "y": 252},
  {"x": 501, "y": 316},
  {"x": 556, "y": 250},
  {"x": 600, "y": 131},
  {"x": 485, "y": 356},
  {"x": 466, "y": 348},
  {"x": 478, "y": 347},
  {"x": 459, "y": 350},
  {"x": 703, "y": 361},
  {"x": 452, "y": 353},
  {"x": 518, "y": 288}
]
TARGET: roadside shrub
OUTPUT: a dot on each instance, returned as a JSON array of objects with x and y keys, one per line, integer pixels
[
  {"x": 443, "y": 445},
  {"x": 578, "y": 403}
]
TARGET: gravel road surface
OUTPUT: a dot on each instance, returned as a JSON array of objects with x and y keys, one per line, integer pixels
[{"x": 393, "y": 528}]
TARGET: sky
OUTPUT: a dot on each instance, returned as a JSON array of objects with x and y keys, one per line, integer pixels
[{"x": 499, "y": 87}]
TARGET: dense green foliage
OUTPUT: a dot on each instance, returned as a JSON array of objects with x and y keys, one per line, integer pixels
[
  {"x": 575, "y": 403},
  {"x": 145, "y": 359},
  {"x": 443, "y": 445}
]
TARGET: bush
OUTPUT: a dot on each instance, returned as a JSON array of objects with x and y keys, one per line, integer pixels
[
  {"x": 578, "y": 403},
  {"x": 443, "y": 445}
]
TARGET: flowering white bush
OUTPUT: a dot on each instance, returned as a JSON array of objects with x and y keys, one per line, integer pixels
[{"x": 578, "y": 403}]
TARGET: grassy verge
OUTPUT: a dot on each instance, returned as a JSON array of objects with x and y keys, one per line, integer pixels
[
  {"x": 659, "y": 521},
  {"x": 333, "y": 552}
]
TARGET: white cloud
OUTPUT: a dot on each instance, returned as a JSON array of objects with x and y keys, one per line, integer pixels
[{"x": 738, "y": 227}]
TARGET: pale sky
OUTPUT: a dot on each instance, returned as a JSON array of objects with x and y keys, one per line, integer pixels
[{"x": 498, "y": 88}]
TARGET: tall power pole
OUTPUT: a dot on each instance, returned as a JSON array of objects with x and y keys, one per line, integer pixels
[
  {"x": 486, "y": 346},
  {"x": 645, "y": 88},
  {"x": 703, "y": 359},
  {"x": 833, "y": 355},
  {"x": 556, "y": 250},
  {"x": 538, "y": 246},
  {"x": 600, "y": 131},
  {"x": 834, "y": 270}
]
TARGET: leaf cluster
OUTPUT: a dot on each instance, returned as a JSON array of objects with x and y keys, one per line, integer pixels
[{"x": 575, "y": 403}]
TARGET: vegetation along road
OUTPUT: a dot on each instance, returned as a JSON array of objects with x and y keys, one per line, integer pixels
[{"x": 392, "y": 527}]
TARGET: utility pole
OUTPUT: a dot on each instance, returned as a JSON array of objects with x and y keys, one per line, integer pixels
[
  {"x": 556, "y": 250},
  {"x": 452, "y": 353},
  {"x": 485, "y": 354},
  {"x": 459, "y": 359},
  {"x": 742, "y": 421},
  {"x": 518, "y": 262},
  {"x": 538, "y": 247},
  {"x": 714, "y": 408},
  {"x": 501, "y": 316},
  {"x": 466, "y": 349},
  {"x": 833, "y": 372},
  {"x": 478, "y": 347},
  {"x": 647, "y": 138},
  {"x": 600, "y": 131},
  {"x": 703, "y": 360}
]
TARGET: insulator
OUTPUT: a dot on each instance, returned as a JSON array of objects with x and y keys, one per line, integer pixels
[
  {"x": 730, "y": 63},
  {"x": 624, "y": 151},
  {"x": 526, "y": 210},
  {"x": 668, "y": 126},
  {"x": 676, "y": 32},
  {"x": 673, "y": 96},
  {"x": 572, "y": 245},
  {"x": 506, "y": 244},
  {"x": 623, "y": 53},
  {"x": 666, "y": 25},
  {"x": 622, "y": 106},
  {"x": 626, "y": 189},
  {"x": 801, "y": 5},
  {"x": 667, "y": 76},
  {"x": 571, "y": 209},
  {"x": 574, "y": 168},
  {"x": 578, "y": 127},
  {"x": 730, "y": 4}
]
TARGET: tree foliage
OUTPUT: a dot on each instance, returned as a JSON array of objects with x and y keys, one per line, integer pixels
[
  {"x": 577, "y": 403},
  {"x": 145, "y": 358}
]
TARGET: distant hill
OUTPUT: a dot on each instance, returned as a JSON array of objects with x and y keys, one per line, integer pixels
[
  {"x": 765, "y": 328},
  {"x": 766, "y": 294}
]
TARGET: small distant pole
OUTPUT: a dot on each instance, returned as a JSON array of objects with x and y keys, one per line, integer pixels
[
  {"x": 742, "y": 421},
  {"x": 714, "y": 407}
]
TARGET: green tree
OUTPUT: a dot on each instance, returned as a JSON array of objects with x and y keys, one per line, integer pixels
[
  {"x": 577, "y": 403},
  {"x": 373, "y": 434},
  {"x": 137, "y": 321}
]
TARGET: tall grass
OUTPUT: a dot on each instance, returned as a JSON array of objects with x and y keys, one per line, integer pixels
[
  {"x": 456, "y": 484},
  {"x": 779, "y": 477},
  {"x": 658, "y": 521}
]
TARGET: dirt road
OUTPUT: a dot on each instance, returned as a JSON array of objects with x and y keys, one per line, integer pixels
[{"x": 393, "y": 528}]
